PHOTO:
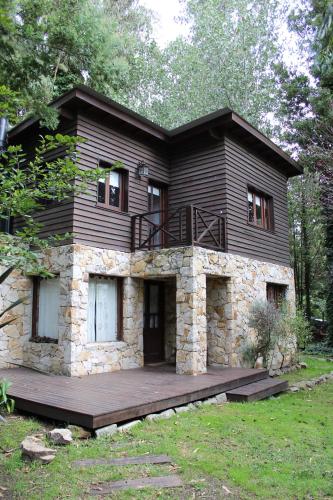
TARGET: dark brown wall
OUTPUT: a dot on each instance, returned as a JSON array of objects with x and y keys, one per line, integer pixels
[
  {"x": 108, "y": 228},
  {"x": 243, "y": 169},
  {"x": 56, "y": 218}
]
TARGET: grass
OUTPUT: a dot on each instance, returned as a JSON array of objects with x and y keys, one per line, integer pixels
[
  {"x": 315, "y": 368},
  {"x": 278, "y": 448}
]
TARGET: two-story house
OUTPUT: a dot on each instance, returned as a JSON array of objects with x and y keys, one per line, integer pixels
[{"x": 167, "y": 254}]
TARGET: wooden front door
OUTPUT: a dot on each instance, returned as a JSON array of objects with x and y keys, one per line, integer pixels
[{"x": 153, "y": 330}]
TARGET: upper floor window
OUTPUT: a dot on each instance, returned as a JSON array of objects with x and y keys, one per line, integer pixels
[
  {"x": 112, "y": 190},
  {"x": 259, "y": 209}
]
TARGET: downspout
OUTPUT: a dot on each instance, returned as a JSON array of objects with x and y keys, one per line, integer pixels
[{"x": 3, "y": 149}]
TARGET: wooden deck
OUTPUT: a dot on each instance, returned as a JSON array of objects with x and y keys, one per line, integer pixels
[{"x": 97, "y": 400}]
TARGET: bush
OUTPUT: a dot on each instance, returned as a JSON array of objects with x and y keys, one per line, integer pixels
[
  {"x": 319, "y": 349},
  {"x": 6, "y": 402},
  {"x": 300, "y": 328}
]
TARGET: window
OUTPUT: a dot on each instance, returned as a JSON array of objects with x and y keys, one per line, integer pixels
[
  {"x": 104, "y": 309},
  {"x": 6, "y": 225},
  {"x": 259, "y": 209},
  {"x": 276, "y": 294},
  {"x": 112, "y": 190},
  {"x": 46, "y": 301}
]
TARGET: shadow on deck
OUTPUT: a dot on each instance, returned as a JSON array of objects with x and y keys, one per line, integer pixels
[{"x": 97, "y": 400}]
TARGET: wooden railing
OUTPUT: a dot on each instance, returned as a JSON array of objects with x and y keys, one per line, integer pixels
[{"x": 184, "y": 226}]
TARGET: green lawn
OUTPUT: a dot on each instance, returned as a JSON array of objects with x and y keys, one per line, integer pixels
[
  {"x": 316, "y": 367},
  {"x": 278, "y": 448}
]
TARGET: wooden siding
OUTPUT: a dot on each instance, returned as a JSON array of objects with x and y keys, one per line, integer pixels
[
  {"x": 57, "y": 218},
  {"x": 103, "y": 227},
  {"x": 198, "y": 176},
  {"x": 243, "y": 169}
]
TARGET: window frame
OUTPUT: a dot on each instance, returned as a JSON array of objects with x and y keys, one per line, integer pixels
[
  {"x": 123, "y": 189},
  {"x": 35, "y": 337},
  {"x": 266, "y": 206},
  {"x": 120, "y": 317},
  {"x": 276, "y": 294}
]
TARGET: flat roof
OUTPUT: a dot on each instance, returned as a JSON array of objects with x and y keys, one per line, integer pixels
[{"x": 226, "y": 117}]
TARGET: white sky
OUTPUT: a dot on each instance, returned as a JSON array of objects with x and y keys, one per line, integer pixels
[{"x": 166, "y": 27}]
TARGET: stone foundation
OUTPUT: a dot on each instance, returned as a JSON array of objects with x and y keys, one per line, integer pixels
[{"x": 208, "y": 296}]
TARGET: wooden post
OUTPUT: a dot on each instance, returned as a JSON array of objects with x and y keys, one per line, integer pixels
[
  {"x": 133, "y": 229},
  {"x": 189, "y": 224}
]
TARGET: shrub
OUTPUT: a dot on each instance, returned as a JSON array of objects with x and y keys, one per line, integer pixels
[
  {"x": 299, "y": 328},
  {"x": 6, "y": 402}
]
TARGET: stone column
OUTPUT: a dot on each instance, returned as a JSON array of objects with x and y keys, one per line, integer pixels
[{"x": 191, "y": 335}]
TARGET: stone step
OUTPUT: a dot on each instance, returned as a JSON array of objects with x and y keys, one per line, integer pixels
[{"x": 257, "y": 390}]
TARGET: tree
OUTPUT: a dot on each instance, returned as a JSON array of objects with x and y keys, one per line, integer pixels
[
  {"x": 227, "y": 61},
  {"x": 49, "y": 46},
  {"x": 309, "y": 112}
]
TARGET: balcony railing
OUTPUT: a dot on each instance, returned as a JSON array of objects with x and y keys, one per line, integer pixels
[{"x": 184, "y": 226}]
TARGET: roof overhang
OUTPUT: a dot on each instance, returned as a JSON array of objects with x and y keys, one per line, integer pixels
[{"x": 221, "y": 121}]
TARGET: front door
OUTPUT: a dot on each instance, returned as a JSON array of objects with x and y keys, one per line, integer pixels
[{"x": 153, "y": 331}]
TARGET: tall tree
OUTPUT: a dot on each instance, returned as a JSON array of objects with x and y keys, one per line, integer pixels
[
  {"x": 309, "y": 113},
  {"x": 227, "y": 61},
  {"x": 48, "y": 46}
]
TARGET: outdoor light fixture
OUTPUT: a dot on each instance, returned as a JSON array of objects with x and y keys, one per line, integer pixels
[{"x": 143, "y": 169}]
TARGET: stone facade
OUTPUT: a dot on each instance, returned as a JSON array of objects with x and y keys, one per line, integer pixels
[{"x": 208, "y": 295}]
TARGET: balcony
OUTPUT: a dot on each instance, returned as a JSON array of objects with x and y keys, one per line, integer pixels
[{"x": 184, "y": 226}]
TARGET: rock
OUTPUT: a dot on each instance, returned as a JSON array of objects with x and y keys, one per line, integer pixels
[
  {"x": 34, "y": 449},
  {"x": 310, "y": 383},
  {"x": 152, "y": 416},
  {"x": 221, "y": 398},
  {"x": 301, "y": 385},
  {"x": 303, "y": 365},
  {"x": 197, "y": 404},
  {"x": 167, "y": 413},
  {"x": 3, "y": 420},
  {"x": 60, "y": 436},
  {"x": 128, "y": 426},
  {"x": 293, "y": 389},
  {"x": 259, "y": 363},
  {"x": 210, "y": 401},
  {"x": 109, "y": 430},
  {"x": 182, "y": 409},
  {"x": 79, "y": 432}
]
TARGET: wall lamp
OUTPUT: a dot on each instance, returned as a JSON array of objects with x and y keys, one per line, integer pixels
[{"x": 143, "y": 169}]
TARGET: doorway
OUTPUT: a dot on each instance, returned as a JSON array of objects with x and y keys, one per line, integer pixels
[
  {"x": 153, "y": 329},
  {"x": 156, "y": 204}
]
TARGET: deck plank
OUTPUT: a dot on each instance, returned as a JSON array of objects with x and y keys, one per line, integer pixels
[{"x": 97, "y": 400}]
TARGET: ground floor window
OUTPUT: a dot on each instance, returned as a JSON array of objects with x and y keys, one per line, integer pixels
[
  {"x": 46, "y": 302},
  {"x": 276, "y": 294},
  {"x": 104, "y": 309}
]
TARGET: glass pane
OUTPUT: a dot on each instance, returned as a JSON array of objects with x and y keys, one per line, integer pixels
[
  {"x": 258, "y": 210},
  {"x": 154, "y": 299},
  {"x": 250, "y": 207},
  {"x": 101, "y": 191},
  {"x": 106, "y": 310},
  {"x": 265, "y": 214},
  {"x": 114, "y": 189}
]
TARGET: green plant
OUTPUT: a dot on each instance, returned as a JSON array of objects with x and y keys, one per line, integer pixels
[
  {"x": 300, "y": 328},
  {"x": 266, "y": 320},
  {"x": 6, "y": 402}
]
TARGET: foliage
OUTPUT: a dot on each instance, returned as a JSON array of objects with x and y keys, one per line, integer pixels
[
  {"x": 6, "y": 403},
  {"x": 319, "y": 349},
  {"x": 308, "y": 113},
  {"x": 49, "y": 46},
  {"x": 267, "y": 321},
  {"x": 299, "y": 328},
  {"x": 278, "y": 448},
  {"x": 28, "y": 186},
  {"x": 226, "y": 62}
]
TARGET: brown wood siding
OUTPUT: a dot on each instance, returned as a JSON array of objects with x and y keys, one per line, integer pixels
[
  {"x": 58, "y": 217},
  {"x": 198, "y": 176},
  {"x": 243, "y": 169},
  {"x": 107, "y": 228}
]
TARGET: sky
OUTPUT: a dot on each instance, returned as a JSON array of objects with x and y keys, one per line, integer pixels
[{"x": 166, "y": 27}]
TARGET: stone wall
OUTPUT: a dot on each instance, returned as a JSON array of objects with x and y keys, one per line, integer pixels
[{"x": 230, "y": 283}]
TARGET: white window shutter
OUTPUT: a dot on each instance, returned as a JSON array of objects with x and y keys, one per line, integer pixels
[
  {"x": 48, "y": 310},
  {"x": 91, "y": 310}
]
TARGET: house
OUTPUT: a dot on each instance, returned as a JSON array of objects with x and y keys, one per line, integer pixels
[{"x": 167, "y": 254}]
